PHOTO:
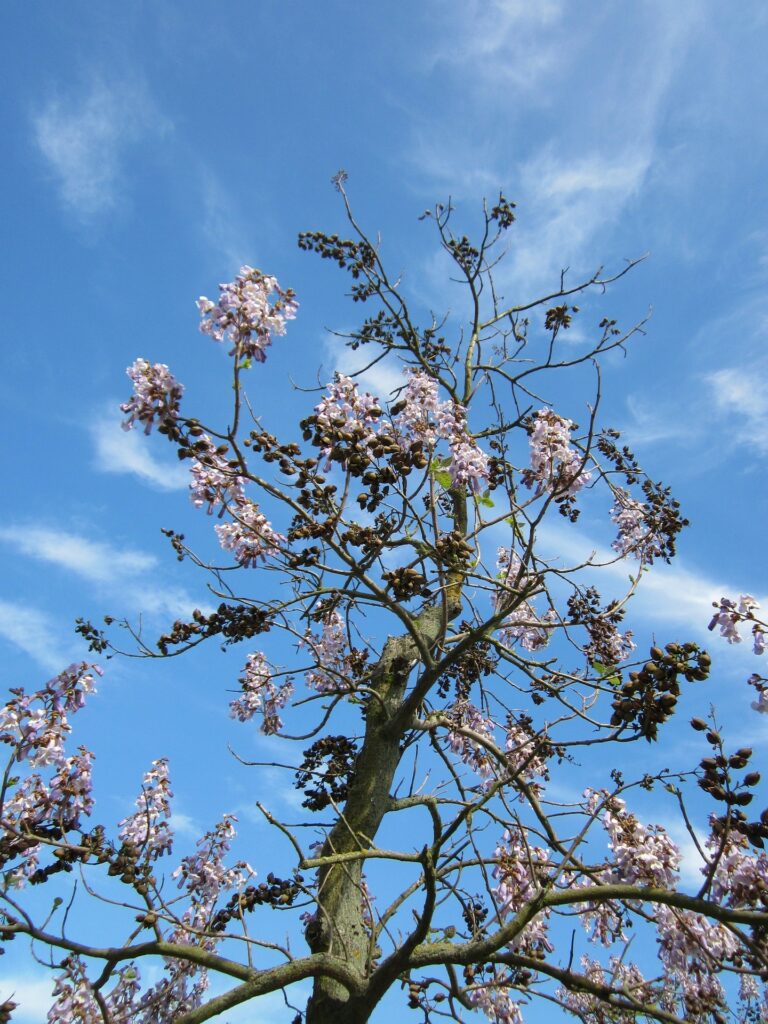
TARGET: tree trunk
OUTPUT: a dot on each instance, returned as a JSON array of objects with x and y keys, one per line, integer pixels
[{"x": 339, "y": 927}]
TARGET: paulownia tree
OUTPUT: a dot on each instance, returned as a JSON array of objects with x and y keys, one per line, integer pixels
[{"x": 436, "y": 681}]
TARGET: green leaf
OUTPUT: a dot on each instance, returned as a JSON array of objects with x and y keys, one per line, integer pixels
[
  {"x": 442, "y": 477},
  {"x": 484, "y": 500},
  {"x": 607, "y": 672}
]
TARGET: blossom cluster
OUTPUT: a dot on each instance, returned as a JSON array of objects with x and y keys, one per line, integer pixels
[
  {"x": 728, "y": 616},
  {"x": 215, "y": 481},
  {"x": 641, "y": 855},
  {"x": 343, "y": 407},
  {"x": 250, "y": 536},
  {"x": 556, "y": 466},
  {"x": 635, "y": 536},
  {"x": 495, "y": 1000},
  {"x": 261, "y": 695},
  {"x": 148, "y": 829},
  {"x": 57, "y": 792},
  {"x": 621, "y": 975},
  {"x": 522, "y": 624},
  {"x": 426, "y": 419},
  {"x": 205, "y": 877},
  {"x": 156, "y": 396},
  {"x": 740, "y": 879},
  {"x": 519, "y": 871},
  {"x": 522, "y": 758},
  {"x": 244, "y": 314},
  {"x": 464, "y": 715},
  {"x": 75, "y": 1001},
  {"x": 421, "y": 419},
  {"x": 333, "y": 661}
]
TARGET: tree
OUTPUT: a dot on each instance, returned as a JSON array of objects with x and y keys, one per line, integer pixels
[{"x": 429, "y": 674}]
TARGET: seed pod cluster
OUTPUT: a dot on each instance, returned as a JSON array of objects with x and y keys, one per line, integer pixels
[
  {"x": 275, "y": 892},
  {"x": 649, "y": 697}
]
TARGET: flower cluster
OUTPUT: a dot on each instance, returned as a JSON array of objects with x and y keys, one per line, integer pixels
[
  {"x": 261, "y": 695},
  {"x": 464, "y": 715},
  {"x": 728, "y": 616},
  {"x": 643, "y": 856},
  {"x": 522, "y": 624},
  {"x": 156, "y": 397},
  {"x": 740, "y": 880},
  {"x": 343, "y": 408},
  {"x": 215, "y": 480},
  {"x": 619, "y": 975},
  {"x": 206, "y": 878},
  {"x": 57, "y": 793},
  {"x": 249, "y": 536},
  {"x": 524, "y": 762},
  {"x": 244, "y": 314},
  {"x": 555, "y": 465},
  {"x": 692, "y": 948},
  {"x": 520, "y": 869},
  {"x": 333, "y": 668},
  {"x": 148, "y": 829},
  {"x": 425, "y": 419},
  {"x": 494, "y": 999},
  {"x": 635, "y": 536}
]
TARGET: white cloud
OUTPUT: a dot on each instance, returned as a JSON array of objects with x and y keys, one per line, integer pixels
[
  {"x": 32, "y": 993},
  {"x": 83, "y": 139},
  {"x": 381, "y": 379},
  {"x": 127, "y": 451},
  {"x": 514, "y": 43},
  {"x": 93, "y": 560},
  {"x": 667, "y": 595},
  {"x": 740, "y": 395},
  {"x": 566, "y": 202},
  {"x": 651, "y": 423},
  {"x": 33, "y": 633},
  {"x": 221, "y": 223}
]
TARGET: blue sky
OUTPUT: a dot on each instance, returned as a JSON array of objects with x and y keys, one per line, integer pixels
[{"x": 153, "y": 147}]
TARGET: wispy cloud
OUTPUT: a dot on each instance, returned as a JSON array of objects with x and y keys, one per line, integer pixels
[
  {"x": 382, "y": 378},
  {"x": 672, "y": 595},
  {"x": 651, "y": 423},
  {"x": 34, "y": 633},
  {"x": 739, "y": 395},
  {"x": 83, "y": 138},
  {"x": 93, "y": 560},
  {"x": 127, "y": 451},
  {"x": 514, "y": 40},
  {"x": 32, "y": 992},
  {"x": 568, "y": 201},
  {"x": 221, "y": 223},
  {"x": 131, "y": 574}
]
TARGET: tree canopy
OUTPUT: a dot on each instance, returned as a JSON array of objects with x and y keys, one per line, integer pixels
[{"x": 444, "y": 682}]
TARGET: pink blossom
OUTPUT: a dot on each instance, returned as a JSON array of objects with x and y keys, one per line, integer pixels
[
  {"x": 729, "y": 614},
  {"x": 522, "y": 624},
  {"x": 555, "y": 465},
  {"x": 244, "y": 314},
  {"x": 249, "y": 536},
  {"x": 215, "y": 481},
  {"x": 156, "y": 396},
  {"x": 464, "y": 715},
  {"x": 261, "y": 694},
  {"x": 425, "y": 419},
  {"x": 495, "y": 1000},
  {"x": 344, "y": 408},
  {"x": 644, "y": 856},
  {"x": 635, "y": 537},
  {"x": 148, "y": 828},
  {"x": 333, "y": 668},
  {"x": 205, "y": 877}
]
